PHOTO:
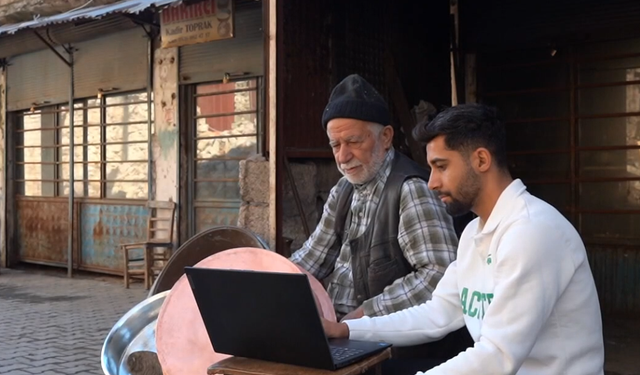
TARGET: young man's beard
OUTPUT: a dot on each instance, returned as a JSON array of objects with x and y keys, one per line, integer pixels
[{"x": 466, "y": 195}]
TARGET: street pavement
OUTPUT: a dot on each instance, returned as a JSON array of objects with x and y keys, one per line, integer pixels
[{"x": 51, "y": 324}]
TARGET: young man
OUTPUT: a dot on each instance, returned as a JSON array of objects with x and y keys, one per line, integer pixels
[{"x": 521, "y": 282}]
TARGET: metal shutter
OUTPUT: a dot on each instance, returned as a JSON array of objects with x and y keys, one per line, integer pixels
[
  {"x": 37, "y": 78},
  {"x": 25, "y": 41},
  {"x": 116, "y": 61},
  {"x": 243, "y": 53}
]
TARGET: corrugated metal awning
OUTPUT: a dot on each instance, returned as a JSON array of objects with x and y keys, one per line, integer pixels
[{"x": 127, "y": 6}]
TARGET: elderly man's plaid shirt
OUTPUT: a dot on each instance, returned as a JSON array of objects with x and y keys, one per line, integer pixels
[{"x": 425, "y": 233}]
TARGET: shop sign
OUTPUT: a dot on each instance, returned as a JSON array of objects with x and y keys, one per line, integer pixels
[{"x": 201, "y": 22}]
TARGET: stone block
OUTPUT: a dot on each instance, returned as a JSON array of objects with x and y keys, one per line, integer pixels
[
  {"x": 254, "y": 181},
  {"x": 255, "y": 217}
]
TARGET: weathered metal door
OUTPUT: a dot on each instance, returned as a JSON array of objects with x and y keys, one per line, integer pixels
[{"x": 224, "y": 122}]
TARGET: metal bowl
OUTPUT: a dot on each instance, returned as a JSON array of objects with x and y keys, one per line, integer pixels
[
  {"x": 135, "y": 331},
  {"x": 200, "y": 246}
]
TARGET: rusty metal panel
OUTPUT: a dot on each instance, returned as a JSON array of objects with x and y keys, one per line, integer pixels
[
  {"x": 103, "y": 227},
  {"x": 616, "y": 270},
  {"x": 42, "y": 231}
]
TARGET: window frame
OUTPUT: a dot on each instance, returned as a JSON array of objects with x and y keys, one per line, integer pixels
[
  {"x": 59, "y": 160},
  {"x": 575, "y": 180}
]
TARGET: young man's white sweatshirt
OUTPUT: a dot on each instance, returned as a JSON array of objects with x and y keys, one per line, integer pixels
[{"x": 523, "y": 287}]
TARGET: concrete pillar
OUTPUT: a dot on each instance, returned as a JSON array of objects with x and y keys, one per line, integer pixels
[{"x": 165, "y": 135}]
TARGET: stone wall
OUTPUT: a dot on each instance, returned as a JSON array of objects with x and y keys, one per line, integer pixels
[
  {"x": 254, "y": 193},
  {"x": 313, "y": 181},
  {"x": 14, "y": 11}
]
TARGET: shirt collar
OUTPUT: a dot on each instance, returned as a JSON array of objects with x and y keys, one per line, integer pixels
[
  {"x": 381, "y": 175},
  {"x": 503, "y": 205}
]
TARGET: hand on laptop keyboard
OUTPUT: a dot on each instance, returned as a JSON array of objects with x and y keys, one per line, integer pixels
[{"x": 335, "y": 330}]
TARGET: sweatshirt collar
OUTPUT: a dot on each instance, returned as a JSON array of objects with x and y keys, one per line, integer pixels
[{"x": 503, "y": 206}]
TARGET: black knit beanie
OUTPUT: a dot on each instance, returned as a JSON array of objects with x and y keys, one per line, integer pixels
[{"x": 355, "y": 98}]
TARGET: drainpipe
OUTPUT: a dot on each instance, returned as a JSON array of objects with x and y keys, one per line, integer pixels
[
  {"x": 150, "y": 58},
  {"x": 72, "y": 151}
]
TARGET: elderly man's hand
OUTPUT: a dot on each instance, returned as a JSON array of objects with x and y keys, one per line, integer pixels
[
  {"x": 335, "y": 330},
  {"x": 355, "y": 314}
]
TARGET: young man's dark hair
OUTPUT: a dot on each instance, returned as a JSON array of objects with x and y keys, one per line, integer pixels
[{"x": 467, "y": 127}]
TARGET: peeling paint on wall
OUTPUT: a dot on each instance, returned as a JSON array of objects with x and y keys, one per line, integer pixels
[{"x": 165, "y": 138}]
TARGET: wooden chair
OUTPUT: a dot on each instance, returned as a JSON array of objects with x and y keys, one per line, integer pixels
[{"x": 146, "y": 259}]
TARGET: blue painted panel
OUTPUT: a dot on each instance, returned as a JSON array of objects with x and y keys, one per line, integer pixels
[{"x": 103, "y": 227}]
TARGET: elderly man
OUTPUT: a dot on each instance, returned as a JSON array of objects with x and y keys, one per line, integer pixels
[{"x": 384, "y": 239}]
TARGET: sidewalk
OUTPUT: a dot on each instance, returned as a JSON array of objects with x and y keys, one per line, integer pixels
[{"x": 55, "y": 325}]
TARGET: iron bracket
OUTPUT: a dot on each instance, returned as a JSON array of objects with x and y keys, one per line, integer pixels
[{"x": 69, "y": 49}]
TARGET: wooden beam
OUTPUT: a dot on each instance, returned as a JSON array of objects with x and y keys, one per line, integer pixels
[
  {"x": 470, "y": 79},
  {"x": 275, "y": 164}
]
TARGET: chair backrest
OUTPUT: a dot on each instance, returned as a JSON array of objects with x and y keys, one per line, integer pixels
[{"x": 160, "y": 221}]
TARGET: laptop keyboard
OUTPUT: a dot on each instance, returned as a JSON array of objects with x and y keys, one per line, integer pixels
[{"x": 341, "y": 354}]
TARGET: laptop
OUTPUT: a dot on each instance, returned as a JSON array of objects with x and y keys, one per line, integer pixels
[{"x": 270, "y": 316}]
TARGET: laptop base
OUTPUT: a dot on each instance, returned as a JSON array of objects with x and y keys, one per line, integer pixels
[{"x": 248, "y": 366}]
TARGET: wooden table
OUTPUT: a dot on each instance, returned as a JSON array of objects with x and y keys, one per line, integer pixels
[{"x": 246, "y": 366}]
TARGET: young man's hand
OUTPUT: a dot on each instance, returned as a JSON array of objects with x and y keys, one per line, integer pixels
[
  {"x": 355, "y": 314},
  {"x": 335, "y": 330}
]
